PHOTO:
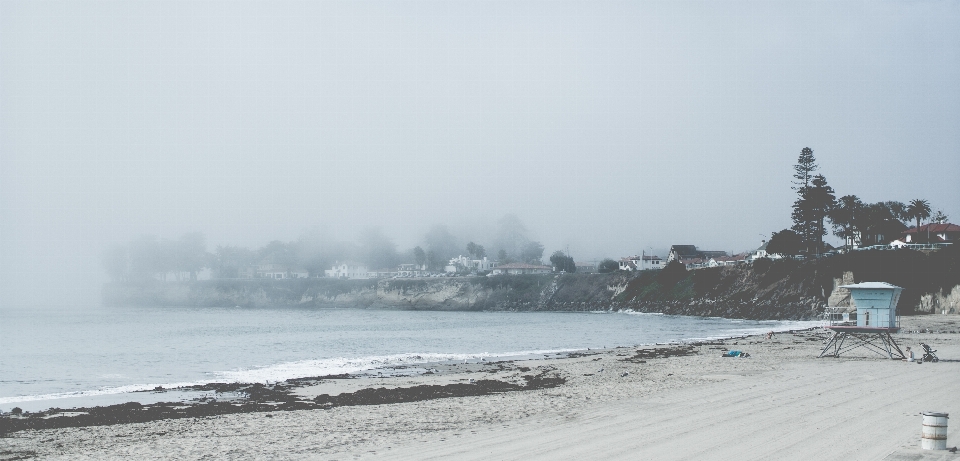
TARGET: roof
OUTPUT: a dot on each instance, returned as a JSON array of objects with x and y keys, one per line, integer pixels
[
  {"x": 872, "y": 286},
  {"x": 522, "y": 266},
  {"x": 934, "y": 228},
  {"x": 650, "y": 258},
  {"x": 684, "y": 249}
]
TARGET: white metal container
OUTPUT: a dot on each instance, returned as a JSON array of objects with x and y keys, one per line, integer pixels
[{"x": 934, "y": 434}]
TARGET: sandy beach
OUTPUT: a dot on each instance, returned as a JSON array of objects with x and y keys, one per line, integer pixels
[{"x": 656, "y": 402}]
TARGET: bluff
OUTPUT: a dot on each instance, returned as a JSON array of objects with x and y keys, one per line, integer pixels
[{"x": 783, "y": 289}]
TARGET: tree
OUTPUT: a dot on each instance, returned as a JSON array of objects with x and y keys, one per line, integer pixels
[
  {"x": 607, "y": 266},
  {"x": 472, "y": 249},
  {"x": 377, "y": 250},
  {"x": 939, "y": 217},
  {"x": 511, "y": 235},
  {"x": 562, "y": 262},
  {"x": 785, "y": 242},
  {"x": 815, "y": 203},
  {"x": 229, "y": 259},
  {"x": 190, "y": 254},
  {"x": 672, "y": 273},
  {"x": 845, "y": 218},
  {"x": 918, "y": 209},
  {"x": 532, "y": 253},
  {"x": 503, "y": 257},
  {"x": 420, "y": 257},
  {"x": 803, "y": 170},
  {"x": 442, "y": 243}
]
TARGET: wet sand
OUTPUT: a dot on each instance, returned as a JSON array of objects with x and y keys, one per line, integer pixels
[{"x": 663, "y": 402}]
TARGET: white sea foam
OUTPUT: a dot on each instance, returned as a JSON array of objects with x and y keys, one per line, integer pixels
[{"x": 290, "y": 370}]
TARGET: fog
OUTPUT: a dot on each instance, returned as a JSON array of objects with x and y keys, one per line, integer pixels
[{"x": 608, "y": 128}]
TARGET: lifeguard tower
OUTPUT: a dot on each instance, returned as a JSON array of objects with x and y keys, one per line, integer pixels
[{"x": 876, "y": 304}]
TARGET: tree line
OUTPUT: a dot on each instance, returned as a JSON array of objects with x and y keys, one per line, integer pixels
[
  {"x": 849, "y": 217},
  {"x": 315, "y": 250}
]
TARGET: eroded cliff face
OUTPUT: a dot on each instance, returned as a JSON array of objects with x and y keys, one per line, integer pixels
[
  {"x": 941, "y": 302},
  {"x": 764, "y": 290}
]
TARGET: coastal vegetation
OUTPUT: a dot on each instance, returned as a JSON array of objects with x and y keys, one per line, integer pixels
[{"x": 767, "y": 289}]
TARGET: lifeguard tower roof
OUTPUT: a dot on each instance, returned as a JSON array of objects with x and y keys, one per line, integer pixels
[{"x": 871, "y": 285}]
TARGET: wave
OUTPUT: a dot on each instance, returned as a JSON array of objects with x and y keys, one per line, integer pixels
[{"x": 290, "y": 370}]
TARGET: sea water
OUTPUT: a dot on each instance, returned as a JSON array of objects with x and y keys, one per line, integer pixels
[{"x": 72, "y": 357}]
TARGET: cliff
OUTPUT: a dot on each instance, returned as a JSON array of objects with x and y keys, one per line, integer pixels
[{"x": 765, "y": 290}]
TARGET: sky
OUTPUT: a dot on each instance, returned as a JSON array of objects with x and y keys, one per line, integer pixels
[{"x": 608, "y": 127}]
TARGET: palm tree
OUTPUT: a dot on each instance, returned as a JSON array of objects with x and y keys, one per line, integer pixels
[{"x": 918, "y": 209}]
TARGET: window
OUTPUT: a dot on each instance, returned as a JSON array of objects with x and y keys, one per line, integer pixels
[{"x": 866, "y": 318}]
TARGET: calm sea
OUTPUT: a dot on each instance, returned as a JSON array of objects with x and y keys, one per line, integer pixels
[{"x": 73, "y": 357}]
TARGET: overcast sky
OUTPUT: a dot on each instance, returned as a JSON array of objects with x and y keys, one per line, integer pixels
[{"x": 608, "y": 127}]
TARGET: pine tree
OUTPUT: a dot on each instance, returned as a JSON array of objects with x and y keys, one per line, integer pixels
[{"x": 803, "y": 174}]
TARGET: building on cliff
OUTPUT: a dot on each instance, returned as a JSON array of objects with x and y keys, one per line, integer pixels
[
  {"x": 520, "y": 269},
  {"x": 348, "y": 270},
  {"x": 641, "y": 263},
  {"x": 932, "y": 233},
  {"x": 682, "y": 252}
]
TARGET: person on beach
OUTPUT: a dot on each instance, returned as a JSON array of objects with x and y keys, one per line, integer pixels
[
  {"x": 910, "y": 357},
  {"x": 770, "y": 335}
]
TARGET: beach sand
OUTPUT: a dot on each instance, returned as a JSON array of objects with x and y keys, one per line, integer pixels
[{"x": 780, "y": 403}]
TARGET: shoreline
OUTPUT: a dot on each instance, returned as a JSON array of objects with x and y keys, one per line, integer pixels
[
  {"x": 358, "y": 366},
  {"x": 782, "y": 403},
  {"x": 188, "y": 393}
]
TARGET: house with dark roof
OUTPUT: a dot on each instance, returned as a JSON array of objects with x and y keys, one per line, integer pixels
[
  {"x": 933, "y": 233},
  {"x": 682, "y": 252},
  {"x": 678, "y": 252}
]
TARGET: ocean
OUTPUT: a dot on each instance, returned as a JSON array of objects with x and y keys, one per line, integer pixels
[{"x": 99, "y": 355}]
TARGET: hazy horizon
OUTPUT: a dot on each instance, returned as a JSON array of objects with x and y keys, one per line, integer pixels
[{"x": 607, "y": 127}]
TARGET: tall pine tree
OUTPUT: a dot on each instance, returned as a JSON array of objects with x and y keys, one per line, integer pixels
[{"x": 803, "y": 174}]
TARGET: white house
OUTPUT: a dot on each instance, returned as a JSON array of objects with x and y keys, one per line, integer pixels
[
  {"x": 461, "y": 263},
  {"x": 348, "y": 271},
  {"x": 651, "y": 263}
]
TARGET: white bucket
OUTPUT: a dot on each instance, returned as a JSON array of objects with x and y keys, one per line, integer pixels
[{"x": 934, "y": 434}]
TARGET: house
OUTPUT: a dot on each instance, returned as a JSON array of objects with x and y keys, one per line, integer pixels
[
  {"x": 462, "y": 263},
  {"x": 693, "y": 263},
  {"x": 586, "y": 268},
  {"x": 272, "y": 267},
  {"x": 679, "y": 252},
  {"x": 520, "y": 269},
  {"x": 881, "y": 233},
  {"x": 651, "y": 263},
  {"x": 348, "y": 270},
  {"x": 932, "y": 233},
  {"x": 761, "y": 252},
  {"x": 411, "y": 270},
  {"x": 642, "y": 262},
  {"x": 727, "y": 260}
]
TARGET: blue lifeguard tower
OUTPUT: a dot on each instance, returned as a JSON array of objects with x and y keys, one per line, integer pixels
[{"x": 876, "y": 304}]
